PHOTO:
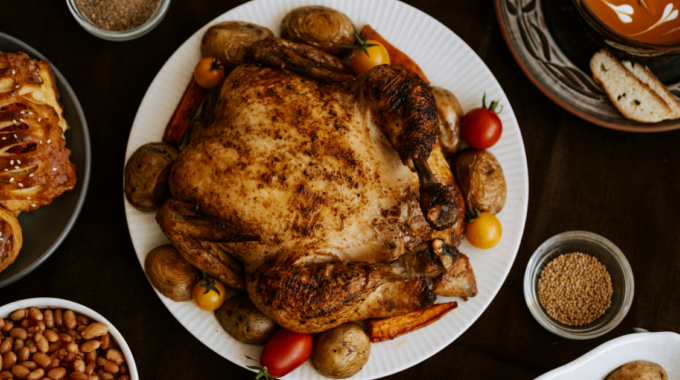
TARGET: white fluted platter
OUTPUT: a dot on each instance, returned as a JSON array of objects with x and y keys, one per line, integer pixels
[{"x": 448, "y": 62}]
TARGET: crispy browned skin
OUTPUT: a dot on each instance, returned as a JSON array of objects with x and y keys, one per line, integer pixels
[
  {"x": 457, "y": 281},
  {"x": 194, "y": 234},
  {"x": 34, "y": 162},
  {"x": 404, "y": 109},
  {"x": 304, "y": 165},
  {"x": 11, "y": 238},
  {"x": 380, "y": 330},
  {"x": 302, "y": 58},
  {"x": 315, "y": 297}
]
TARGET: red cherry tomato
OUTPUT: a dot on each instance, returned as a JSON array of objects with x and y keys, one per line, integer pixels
[
  {"x": 286, "y": 351},
  {"x": 481, "y": 128}
]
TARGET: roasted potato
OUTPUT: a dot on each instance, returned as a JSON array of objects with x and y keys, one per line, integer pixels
[
  {"x": 342, "y": 351},
  {"x": 230, "y": 41},
  {"x": 170, "y": 273},
  {"x": 319, "y": 26},
  {"x": 146, "y": 175},
  {"x": 481, "y": 180},
  {"x": 243, "y": 321},
  {"x": 638, "y": 370},
  {"x": 449, "y": 113}
]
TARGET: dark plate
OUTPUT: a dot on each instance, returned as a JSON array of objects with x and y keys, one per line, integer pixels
[
  {"x": 553, "y": 46},
  {"x": 45, "y": 229}
]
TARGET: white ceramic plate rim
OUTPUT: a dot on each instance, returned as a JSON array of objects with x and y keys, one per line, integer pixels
[
  {"x": 613, "y": 345},
  {"x": 58, "y": 303},
  {"x": 150, "y": 123}
]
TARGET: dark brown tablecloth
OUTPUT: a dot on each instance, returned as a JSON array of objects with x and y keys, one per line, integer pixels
[{"x": 623, "y": 186}]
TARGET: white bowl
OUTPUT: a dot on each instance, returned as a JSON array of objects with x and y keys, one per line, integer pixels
[
  {"x": 662, "y": 348},
  {"x": 57, "y": 303}
]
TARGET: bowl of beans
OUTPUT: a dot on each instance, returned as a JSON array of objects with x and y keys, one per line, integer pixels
[
  {"x": 51, "y": 338},
  {"x": 578, "y": 285}
]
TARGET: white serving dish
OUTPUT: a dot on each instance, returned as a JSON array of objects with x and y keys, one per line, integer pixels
[
  {"x": 58, "y": 303},
  {"x": 448, "y": 62},
  {"x": 662, "y": 348}
]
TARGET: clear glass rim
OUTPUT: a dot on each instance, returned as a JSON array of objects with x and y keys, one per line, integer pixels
[
  {"x": 531, "y": 297},
  {"x": 124, "y": 35}
]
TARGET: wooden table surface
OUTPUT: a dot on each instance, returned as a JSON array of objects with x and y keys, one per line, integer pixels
[{"x": 623, "y": 186}]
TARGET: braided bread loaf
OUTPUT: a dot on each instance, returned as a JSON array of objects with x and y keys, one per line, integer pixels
[{"x": 34, "y": 162}]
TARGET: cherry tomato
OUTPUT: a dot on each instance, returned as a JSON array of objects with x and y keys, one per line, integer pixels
[
  {"x": 481, "y": 128},
  {"x": 484, "y": 231},
  {"x": 285, "y": 352},
  {"x": 377, "y": 55},
  {"x": 209, "y": 293},
  {"x": 209, "y": 73}
]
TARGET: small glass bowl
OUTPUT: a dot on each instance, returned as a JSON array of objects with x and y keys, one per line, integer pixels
[
  {"x": 124, "y": 35},
  {"x": 603, "y": 250}
]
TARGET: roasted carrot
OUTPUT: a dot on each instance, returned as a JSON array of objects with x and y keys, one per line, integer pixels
[
  {"x": 380, "y": 330},
  {"x": 179, "y": 122},
  {"x": 397, "y": 57}
]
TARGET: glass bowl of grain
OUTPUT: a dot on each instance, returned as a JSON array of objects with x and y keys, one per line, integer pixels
[
  {"x": 118, "y": 20},
  {"x": 578, "y": 285}
]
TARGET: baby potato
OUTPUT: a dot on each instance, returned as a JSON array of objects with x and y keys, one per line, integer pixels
[
  {"x": 481, "y": 180},
  {"x": 318, "y": 26},
  {"x": 146, "y": 175},
  {"x": 230, "y": 41},
  {"x": 170, "y": 273},
  {"x": 638, "y": 370},
  {"x": 449, "y": 113},
  {"x": 239, "y": 317},
  {"x": 342, "y": 351}
]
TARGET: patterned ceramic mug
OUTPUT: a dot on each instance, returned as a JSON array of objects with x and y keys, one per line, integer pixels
[{"x": 646, "y": 28}]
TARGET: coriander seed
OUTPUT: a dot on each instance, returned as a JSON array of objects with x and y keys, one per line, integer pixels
[{"x": 575, "y": 289}]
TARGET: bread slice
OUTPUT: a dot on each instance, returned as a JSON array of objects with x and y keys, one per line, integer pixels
[
  {"x": 633, "y": 98},
  {"x": 646, "y": 76}
]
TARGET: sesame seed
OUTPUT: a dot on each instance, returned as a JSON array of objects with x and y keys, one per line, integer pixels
[
  {"x": 21, "y": 120},
  {"x": 28, "y": 197},
  {"x": 22, "y": 112},
  {"x": 18, "y": 161},
  {"x": 39, "y": 118},
  {"x": 14, "y": 121},
  {"x": 49, "y": 141},
  {"x": 4, "y": 138},
  {"x": 11, "y": 162},
  {"x": 16, "y": 167},
  {"x": 13, "y": 72},
  {"x": 20, "y": 185},
  {"x": 54, "y": 169},
  {"x": 17, "y": 86},
  {"x": 15, "y": 136},
  {"x": 32, "y": 205},
  {"x": 407, "y": 238},
  {"x": 1, "y": 239},
  {"x": 11, "y": 179},
  {"x": 30, "y": 175}
]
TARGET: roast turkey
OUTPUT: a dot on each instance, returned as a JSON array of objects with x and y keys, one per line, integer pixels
[{"x": 303, "y": 191}]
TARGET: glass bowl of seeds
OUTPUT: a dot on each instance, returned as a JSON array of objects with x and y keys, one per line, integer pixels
[
  {"x": 118, "y": 20},
  {"x": 578, "y": 285}
]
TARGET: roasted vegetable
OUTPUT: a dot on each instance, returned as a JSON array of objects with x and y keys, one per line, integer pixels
[
  {"x": 342, "y": 351},
  {"x": 397, "y": 57},
  {"x": 380, "y": 330},
  {"x": 146, "y": 175},
  {"x": 457, "y": 281},
  {"x": 319, "y": 26},
  {"x": 230, "y": 41},
  {"x": 170, "y": 273},
  {"x": 638, "y": 370},
  {"x": 449, "y": 113},
  {"x": 186, "y": 108},
  {"x": 243, "y": 321},
  {"x": 481, "y": 180}
]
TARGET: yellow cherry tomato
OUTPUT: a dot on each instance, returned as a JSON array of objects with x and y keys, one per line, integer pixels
[
  {"x": 485, "y": 231},
  {"x": 209, "y": 73},
  {"x": 377, "y": 55},
  {"x": 209, "y": 293}
]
